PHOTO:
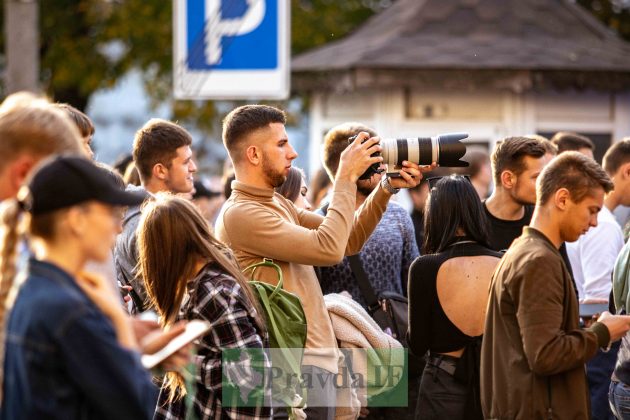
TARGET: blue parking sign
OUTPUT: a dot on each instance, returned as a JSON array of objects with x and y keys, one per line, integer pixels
[
  {"x": 225, "y": 29},
  {"x": 231, "y": 49}
]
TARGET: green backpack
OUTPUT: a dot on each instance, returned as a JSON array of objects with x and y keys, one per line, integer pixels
[{"x": 286, "y": 325}]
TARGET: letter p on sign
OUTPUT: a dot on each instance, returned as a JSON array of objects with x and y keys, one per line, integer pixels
[
  {"x": 217, "y": 27},
  {"x": 231, "y": 49}
]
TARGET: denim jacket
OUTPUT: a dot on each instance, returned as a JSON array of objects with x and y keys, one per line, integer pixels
[{"x": 62, "y": 357}]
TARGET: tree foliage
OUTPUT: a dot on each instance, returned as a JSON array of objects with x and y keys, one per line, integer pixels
[
  {"x": 316, "y": 22},
  {"x": 90, "y": 44},
  {"x": 613, "y": 13}
]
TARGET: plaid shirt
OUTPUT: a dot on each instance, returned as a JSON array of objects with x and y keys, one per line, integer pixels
[{"x": 216, "y": 297}]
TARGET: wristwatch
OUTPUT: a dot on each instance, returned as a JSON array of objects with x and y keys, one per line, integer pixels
[{"x": 387, "y": 186}]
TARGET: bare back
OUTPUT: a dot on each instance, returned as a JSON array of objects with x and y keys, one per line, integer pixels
[{"x": 462, "y": 286}]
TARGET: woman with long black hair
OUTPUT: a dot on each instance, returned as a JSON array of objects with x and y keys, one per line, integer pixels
[{"x": 448, "y": 293}]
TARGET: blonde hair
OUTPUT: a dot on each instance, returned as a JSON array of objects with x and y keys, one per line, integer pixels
[
  {"x": 16, "y": 225},
  {"x": 166, "y": 270},
  {"x": 28, "y": 124},
  {"x": 32, "y": 125}
]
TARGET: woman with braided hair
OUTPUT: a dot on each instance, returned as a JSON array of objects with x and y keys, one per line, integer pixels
[{"x": 70, "y": 351}]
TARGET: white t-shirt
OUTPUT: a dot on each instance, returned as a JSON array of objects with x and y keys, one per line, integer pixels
[{"x": 593, "y": 257}]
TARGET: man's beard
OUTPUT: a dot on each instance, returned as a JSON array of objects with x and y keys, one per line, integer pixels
[
  {"x": 521, "y": 201},
  {"x": 275, "y": 178}
]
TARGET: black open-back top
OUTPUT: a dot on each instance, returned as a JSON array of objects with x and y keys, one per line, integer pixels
[{"x": 429, "y": 327}]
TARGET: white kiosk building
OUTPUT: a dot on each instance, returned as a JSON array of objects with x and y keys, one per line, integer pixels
[{"x": 491, "y": 68}]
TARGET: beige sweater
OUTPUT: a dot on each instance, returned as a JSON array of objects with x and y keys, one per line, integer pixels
[{"x": 258, "y": 223}]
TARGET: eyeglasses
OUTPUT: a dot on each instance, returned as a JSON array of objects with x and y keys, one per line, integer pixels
[{"x": 434, "y": 179}]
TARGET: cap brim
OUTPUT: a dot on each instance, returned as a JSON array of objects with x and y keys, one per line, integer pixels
[{"x": 124, "y": 198}]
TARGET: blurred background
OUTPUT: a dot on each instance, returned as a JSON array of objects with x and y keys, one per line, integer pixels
[{"x": 491, "y": 68}]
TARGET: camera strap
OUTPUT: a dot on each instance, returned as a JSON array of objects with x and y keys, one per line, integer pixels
[{"x": 364, "y": 283}]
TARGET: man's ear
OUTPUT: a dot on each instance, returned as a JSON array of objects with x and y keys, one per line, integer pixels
[
  {"x": 508, "y": 179},
  {"x": 561, "y": 198},
  {"x": 625, "y": 171},
  {"x": 254, "y": 155},
  {"x": 19, "y": 170},
  {"x": 159, "y": 171}
]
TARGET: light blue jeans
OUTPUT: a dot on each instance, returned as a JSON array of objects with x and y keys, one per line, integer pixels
[{"x": 619, "y": 398}]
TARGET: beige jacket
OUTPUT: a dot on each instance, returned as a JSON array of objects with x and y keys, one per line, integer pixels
[{"x": 259, "y": 223}]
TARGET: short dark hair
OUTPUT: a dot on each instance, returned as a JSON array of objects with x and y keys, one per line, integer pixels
[
  {"x": 292, "y": 186},
  {"x": 568, "y": 141},
  {"x": 550, "y": 148},
  {"x": 617, "y": 155},
  {"x": 122, "y": 163},
  {"x": 246, "y": 119},
  {"x": 336, "y": 141},
  {"x": 509, "y": 153},
  {"x": 82, "y": 121},
  {"x": 452, "y": 204},
  {"x": 575, "y": 172},
  {"x": 157, "y": 142}
]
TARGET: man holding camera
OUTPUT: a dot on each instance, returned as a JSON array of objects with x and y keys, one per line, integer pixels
[
  {"x": 257, "y": 223},
  {"x": 387, "y": 254},
  {"x": 390, "y": 251}
]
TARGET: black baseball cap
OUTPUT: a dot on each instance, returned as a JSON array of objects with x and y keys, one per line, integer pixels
[{"x": 65, "y": 181}]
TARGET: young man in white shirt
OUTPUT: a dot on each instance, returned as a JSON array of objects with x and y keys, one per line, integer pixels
[
  {"x": 593, "y": 258},
  {"x": 593, "y": 255}
]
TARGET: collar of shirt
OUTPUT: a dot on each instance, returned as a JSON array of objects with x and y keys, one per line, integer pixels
[
  {"x": 535, "y": 233},
  {"x": 263, "y": 194},
  {"x": 50, "y": 271}
]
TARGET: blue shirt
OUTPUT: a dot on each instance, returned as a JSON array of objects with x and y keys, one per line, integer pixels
[
  {"x": 386, "y": 257},
  {"x": 62, "y": 358}
]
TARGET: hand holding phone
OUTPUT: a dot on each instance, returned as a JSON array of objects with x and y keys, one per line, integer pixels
[
  {"x": 193, "y": 330},
  {"x": 588, "y": 310}
]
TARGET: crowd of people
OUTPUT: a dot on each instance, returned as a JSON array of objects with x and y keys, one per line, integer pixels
[{"x": 101, "y": 266}]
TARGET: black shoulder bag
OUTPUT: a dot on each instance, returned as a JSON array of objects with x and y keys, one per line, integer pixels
[{"x": 389, "y": 310}]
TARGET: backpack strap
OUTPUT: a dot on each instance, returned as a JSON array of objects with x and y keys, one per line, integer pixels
[
  {"x": 271, "y": 319},
  {"x": 267, "y": 262}
]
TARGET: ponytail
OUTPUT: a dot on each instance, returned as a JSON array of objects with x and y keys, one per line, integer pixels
[{"x": 10, "y": 213}]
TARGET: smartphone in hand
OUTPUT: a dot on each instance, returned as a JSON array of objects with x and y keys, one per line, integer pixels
[
  {"x": 194, "y": 329},
  {"x": 588, "y": 310}
]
